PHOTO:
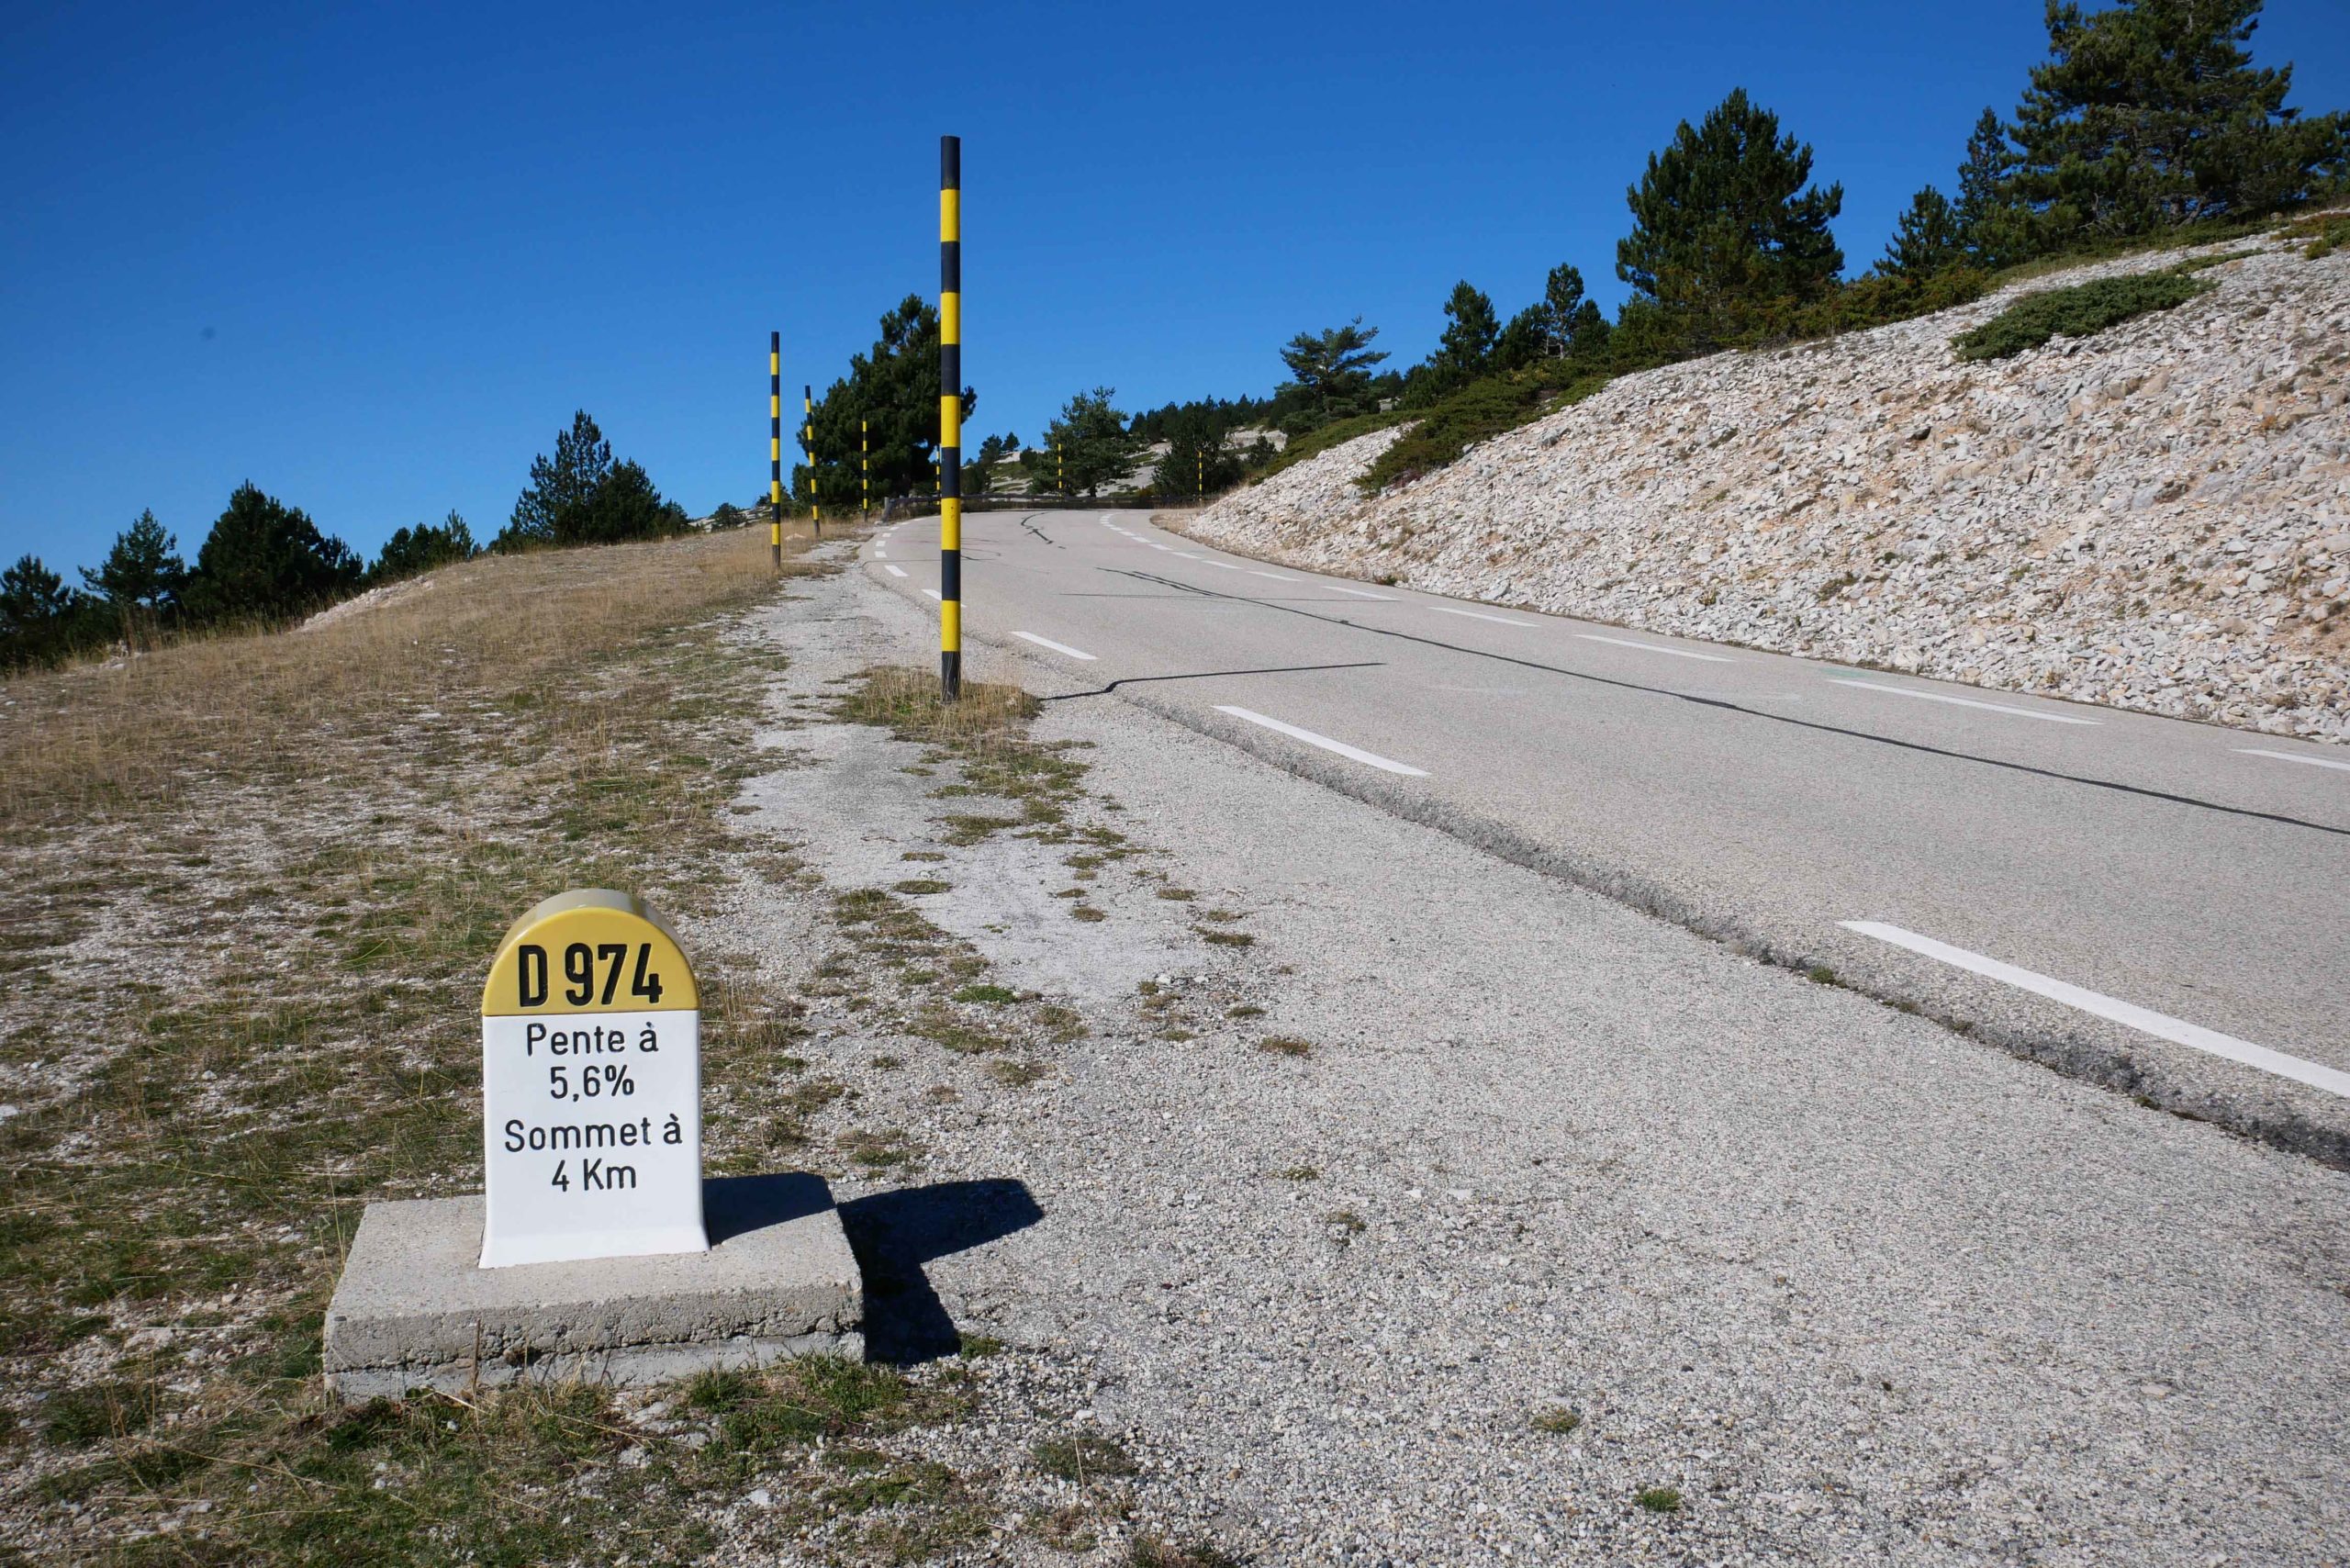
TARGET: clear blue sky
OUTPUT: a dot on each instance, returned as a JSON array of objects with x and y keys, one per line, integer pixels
[{"x": 372, "y": 258}]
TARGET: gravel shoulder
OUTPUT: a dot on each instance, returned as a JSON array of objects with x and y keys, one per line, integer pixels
[{"x": 1325, "y": 1228}]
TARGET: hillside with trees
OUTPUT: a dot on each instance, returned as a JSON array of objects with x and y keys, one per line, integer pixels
[
  {"x": 263, "y": 564},
  {"x": 2147, "y": 122}
]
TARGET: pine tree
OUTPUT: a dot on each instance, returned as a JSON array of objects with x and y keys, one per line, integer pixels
[
  {"x": 1089, "y": 443},
  {"x": 1196, "y": 463},
  {"x": 37, "y": 613},
  {"x": 1465, "y": 351},
  {"x": 1563, "y": 297},
  {"x": 266, "y": 560},
  {"x": 1994, "y": 225},
  {"x": 553, "y": 508},
  {"x": 1333, "y": 367},
  {"x": 1926, "y": 240},
  {"x": 1526, "y": 341},
  {"x": 892, "y": 388},
  {"x": 421, "y": 549},
  {"x": 626, "y": 505},
  {"x": 1727, "y": 233},
  {"x": 140, "y": 579},
  {"x": 2150, "y": 114},
  {"x": 1574, "y": 324}
]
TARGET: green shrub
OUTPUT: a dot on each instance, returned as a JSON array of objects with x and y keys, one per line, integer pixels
[
  {"x": 1479, "y": 411},
  {"x": 2326, "y": 233},
  {"x": 2075, "y": 312},
  {"x": 1337, "y": 432},
  {"x": 1880, "y": 299}
]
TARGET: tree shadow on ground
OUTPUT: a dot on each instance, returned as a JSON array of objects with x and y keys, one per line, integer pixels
[{"x": 895, "y": 1234}]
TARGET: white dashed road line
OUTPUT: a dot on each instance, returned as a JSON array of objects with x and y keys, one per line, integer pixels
[
  {"x": 1325, "y": 743},
  {"x": 1963, "y": 702},
  {"x": 937, "y": 595},
  {"x": 1361, "y": 593},
  {"x": 1655, "y": 648},
  {"x": 1056, "y": 647},
  {"x": 2292, "y": 757},
  {"x": 1225, "y": 565},
  {"x": 2163, "y": 1027},
  {"x": 894, "y": 571},
  {"x": 1277, "y": 576},
  {"x": 1479, "y": 615}
]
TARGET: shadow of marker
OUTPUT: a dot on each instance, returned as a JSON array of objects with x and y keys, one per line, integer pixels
[
  {"x": 894, "y": 1233},
  {"x": 735, "y": 1205}
]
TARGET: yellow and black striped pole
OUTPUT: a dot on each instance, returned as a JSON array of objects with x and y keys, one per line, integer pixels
[
  {"x": 808, "y": 446},
  {"x": 775, "y": 446},
  {"x": 1200, "y": 485},
  {"x": 950, "y": 418},
  {"x": 864, "y": 469}
]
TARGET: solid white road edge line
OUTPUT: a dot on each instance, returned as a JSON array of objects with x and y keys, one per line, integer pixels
[
  {"x": 2289, "y": 756},
  {"x": 1325, "y": 742},
  {"x": 1479, "y": 615},
  {"x": 2178, "y": 1031},
  {"x": 1962, "y": 701},
  {"x": 894, "y": 571},
  {"x": 1655, "y": 648},
  {"x": 1056, "y": 647}
]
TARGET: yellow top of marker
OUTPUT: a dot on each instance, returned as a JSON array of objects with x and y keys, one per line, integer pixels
[{"x": 589, "y": 950}]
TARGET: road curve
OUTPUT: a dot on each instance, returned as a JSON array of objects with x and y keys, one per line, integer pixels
[{"x": 2148, "y": 903}]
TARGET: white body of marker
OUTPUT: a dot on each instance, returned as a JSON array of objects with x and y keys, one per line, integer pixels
[{"x": 591, "y": 1086}]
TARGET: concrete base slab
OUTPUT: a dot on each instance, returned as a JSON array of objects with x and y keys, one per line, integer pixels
[{"x": 412, "y": 1310}]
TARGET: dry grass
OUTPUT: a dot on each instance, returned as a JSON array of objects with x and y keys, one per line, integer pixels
[
  {"x": 906, "y": 702},
  {"x": 131, "y": 735},
  {"x": 255, "y": 879}
]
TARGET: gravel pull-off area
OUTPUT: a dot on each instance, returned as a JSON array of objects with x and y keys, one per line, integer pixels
[
  {"x": 1383, "y": 1203},
  {"x": 2154, "y": 517}
]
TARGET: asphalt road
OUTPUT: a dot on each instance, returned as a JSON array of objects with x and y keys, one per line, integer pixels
[{"x": 2151, "y": 903}]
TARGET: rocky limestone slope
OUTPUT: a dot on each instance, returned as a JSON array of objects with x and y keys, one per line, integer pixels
[{"x": 2156, "y": 515}]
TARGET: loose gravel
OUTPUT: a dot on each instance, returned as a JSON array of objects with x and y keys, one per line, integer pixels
[{"x": 1853, "y": 1288}]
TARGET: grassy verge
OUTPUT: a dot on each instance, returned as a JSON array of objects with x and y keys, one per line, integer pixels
[{"x": 256, "y": 877}]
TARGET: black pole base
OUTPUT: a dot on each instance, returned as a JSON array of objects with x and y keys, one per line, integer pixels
[{"x": 950, "y": 677}]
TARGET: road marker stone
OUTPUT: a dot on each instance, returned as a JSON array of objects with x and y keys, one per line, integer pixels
[{"x": 598, "y": 1251}]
